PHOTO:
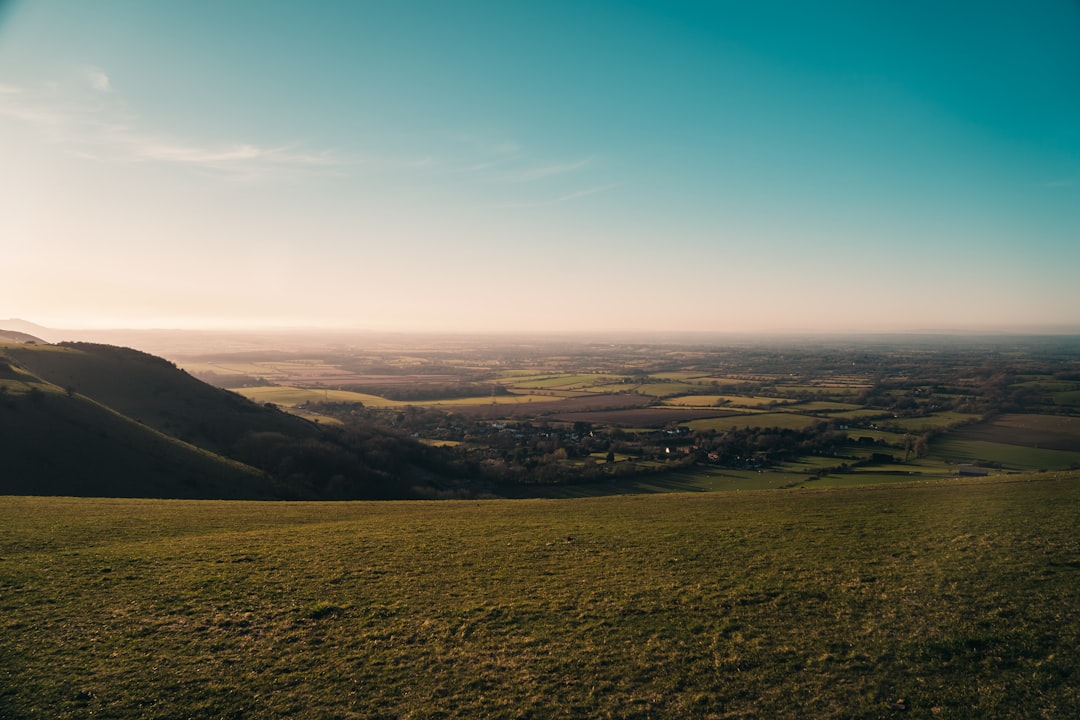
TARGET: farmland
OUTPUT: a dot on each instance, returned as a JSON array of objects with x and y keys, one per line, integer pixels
[
  {"x": 581, "y": 413},
  {"x": 716, "y": 604}
]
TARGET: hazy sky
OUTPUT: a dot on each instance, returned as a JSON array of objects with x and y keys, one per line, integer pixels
[{"x": 579, "y": 165}]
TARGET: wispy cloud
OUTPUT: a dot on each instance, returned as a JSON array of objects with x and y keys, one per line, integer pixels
[
  {"x": 515, "y": 169},
  {"x": 562, "y": 198},
  {"x": 226, "y": 156},
  {"x": 530, "y": 174},
  {"x": 97, "y": 78},
  {"x": 92, "y": 120},
  {"x": 101, "y": 128}
]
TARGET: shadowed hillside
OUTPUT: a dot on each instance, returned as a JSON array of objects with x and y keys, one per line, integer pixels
[
  {"x": 59, "y": 443},
  {"x": 85, "y": 419},
  {"x": 154, "y": 391}
]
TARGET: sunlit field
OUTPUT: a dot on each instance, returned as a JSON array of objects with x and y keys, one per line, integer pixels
[{"x": 943, "y": 599}]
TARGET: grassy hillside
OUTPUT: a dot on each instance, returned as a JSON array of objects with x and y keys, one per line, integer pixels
[
  {"x": 946, "y": 599},
  {"x": 59, "y": 443},
  {"x": 153, "y": 391},
  {"x": 13, "y": 336},
  {"x": 85, "y": 419}
]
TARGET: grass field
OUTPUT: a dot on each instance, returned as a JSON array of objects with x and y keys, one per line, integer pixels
[
  {"x": 1055, "y": 432},
  {"x": 940, "y": 599},
  {"x": 935, "y": 421},
  {"x": 857, "y": 415},
  {"x": 562, "y": 381},
  {"x": 1069, "y": 398},
  {"x": 826, "y": 406},
  {"x": 888, "y": 437},
  {"x": 1016, "y": 457},
  {"x": 666, "y": 389},
  {"x": 739, "y": 401},
  {"x": 763, "y": 420},
  {"x": 290, "y": 396}
]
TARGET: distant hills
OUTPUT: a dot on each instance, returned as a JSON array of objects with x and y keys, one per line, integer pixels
[
  {"x": 98, "y": 420},
  {"x": 13, "y": 336}
]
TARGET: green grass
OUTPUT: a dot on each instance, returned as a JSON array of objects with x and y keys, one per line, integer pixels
[
  {"x": 1016, "y": 457},
  {"x": 890, "y": 438},
  {"x": 57, "y": 441},
  {"x": 283, "y": 395},
  {"x": 936, "y": 421},
  {"x": 825, "y": 406},
  {"x": 763, "y": 420},
  {"x": 685, "y": 375},
  {"x": 947, "y": 599},
  {"x": 563, "y": 381},
  {"x": 290, "y": 396},
  {"x": 834, "y": 390},
  {"x": 666, "y": 389},
  {"x": 857, "y": 414},
  {"x": 1069, "y": 398}
]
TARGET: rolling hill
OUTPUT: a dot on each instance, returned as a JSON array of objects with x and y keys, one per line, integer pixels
[
  {"x": 14, "y": 336},
  {"x": 97, "y": 420},
  {"x": 153, "y": 391},
  {"x": 53, "y": 442}
]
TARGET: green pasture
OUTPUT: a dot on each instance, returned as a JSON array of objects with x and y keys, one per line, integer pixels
[
  {"x": 292, "y": 396},
  {"x": 890, "y": 438},
  {"x": 314, "y": 417},
  {"x": 579, "y": 381},
  {"x": 761, "y": 420},
  {"x": 857, "y": 414},
  {"x": 524, "y": 374},
  {"x": 937, "y": 421},
  {"x": 838, "y": 391},
  {"x": 737, "y": 401},
  {"x": 771, "y": 604},
  {"x": 724, "y": 380},
  {"x": 1069, "y": 398},
  {"x": 754, "y": 401},
  {"x": 683, "y": 375},
  {"x": 866, "y": 478},
  {"x": 1047, "y": 384},
  {"x": 666, "y": 389},
  {"x": 810, "y": 463},
  {"x": 232, "y": 368},
  {"x": 1013, "y": 457},
  {"x": 825, "y": 406}
]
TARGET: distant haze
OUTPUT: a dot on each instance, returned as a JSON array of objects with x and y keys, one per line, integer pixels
[{"x": 541, "y": 167}]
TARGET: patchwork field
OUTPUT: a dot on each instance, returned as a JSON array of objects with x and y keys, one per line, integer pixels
[
  {"x": 762, "y": 420},
  {"x": 1055, "y": 432},
  {"x": 885, "y": 398},
  {"x": 1014, "y": 457},
  {"x": 739, "y": 401},
  {"x": 938, "y": 599},
  {"x": 293, "y": 396}
]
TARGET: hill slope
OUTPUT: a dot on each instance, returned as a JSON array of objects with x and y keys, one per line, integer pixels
[
  {"x": 155, "y": 392},
  {"x": 14, "y": 336},
  {"x": 86, "y": 419},
  {"x": 57, "y": 443}
]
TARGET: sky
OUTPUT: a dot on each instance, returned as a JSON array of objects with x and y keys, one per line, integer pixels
[{"x": 541, "y": 166}]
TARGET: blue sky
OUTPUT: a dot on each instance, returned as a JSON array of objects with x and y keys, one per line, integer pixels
[{"x": 581, "y": 166}]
